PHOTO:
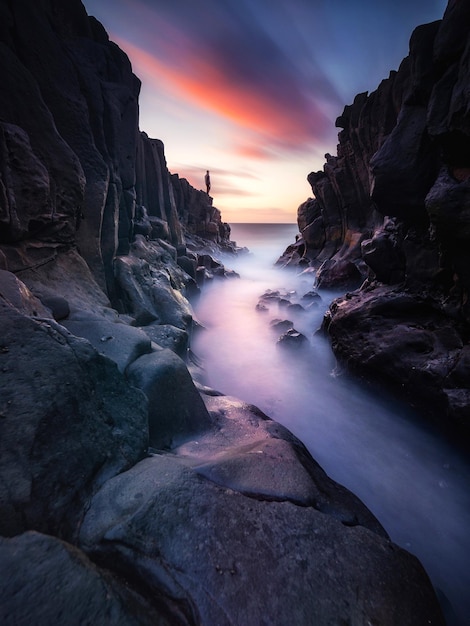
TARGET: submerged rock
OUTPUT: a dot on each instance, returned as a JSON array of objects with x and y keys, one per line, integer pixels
[{"x": 292, "y": 339}]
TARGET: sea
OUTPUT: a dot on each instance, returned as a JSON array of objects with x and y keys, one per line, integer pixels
[{"x": 407, "y": 473}]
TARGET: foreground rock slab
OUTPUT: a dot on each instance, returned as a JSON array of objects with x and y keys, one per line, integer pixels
[
  {"x": 244, "y": 554},
  {"x": 81, "y": 593}
]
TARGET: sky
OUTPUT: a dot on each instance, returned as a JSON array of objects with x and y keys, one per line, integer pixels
[{"x": 251, "y": 89}]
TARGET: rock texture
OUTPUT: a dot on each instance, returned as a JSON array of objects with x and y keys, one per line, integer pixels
[
  {"x": 75, "y": 169},
  {"x": 391, "y": 212},
  {"x": 128, "y": 492}
]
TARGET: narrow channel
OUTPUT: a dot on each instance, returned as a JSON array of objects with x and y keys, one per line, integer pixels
[{"x": 409, "y": 476}]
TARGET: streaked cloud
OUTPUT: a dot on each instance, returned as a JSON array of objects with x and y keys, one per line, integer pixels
[
  {"x": 273, "y": 117},
  {"x": 224, "y": 182}
]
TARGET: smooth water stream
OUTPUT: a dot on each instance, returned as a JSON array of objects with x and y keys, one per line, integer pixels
[{"x": 415, "y": 482}]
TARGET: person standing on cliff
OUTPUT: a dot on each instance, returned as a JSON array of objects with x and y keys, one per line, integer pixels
[{"x": 207, "y": 180}]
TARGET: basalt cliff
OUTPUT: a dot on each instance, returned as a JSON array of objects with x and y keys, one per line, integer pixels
[
  {"x": 390, "y": 218},
  {"x": 130, "y": 493}
]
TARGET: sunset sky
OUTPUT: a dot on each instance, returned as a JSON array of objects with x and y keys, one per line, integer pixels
[{"x": 250, "y": 89}]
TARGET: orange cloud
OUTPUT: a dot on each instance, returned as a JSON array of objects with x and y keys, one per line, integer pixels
[
  {"x": 201, "y": 81},
  {"x": 255, "y": 151}
]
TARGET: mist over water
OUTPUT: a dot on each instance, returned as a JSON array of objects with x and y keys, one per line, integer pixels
[{"x": 416, "y": 483}]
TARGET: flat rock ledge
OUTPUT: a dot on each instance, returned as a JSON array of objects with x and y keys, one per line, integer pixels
[{"x": 129, "y": 494}]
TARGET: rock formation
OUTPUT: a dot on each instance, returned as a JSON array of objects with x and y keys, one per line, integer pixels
[
  {"x": 129, "y": 492},
  {"x": 391, "y": 213}
]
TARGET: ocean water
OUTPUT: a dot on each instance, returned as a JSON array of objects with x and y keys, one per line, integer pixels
[{"x": 415, "y": 482}]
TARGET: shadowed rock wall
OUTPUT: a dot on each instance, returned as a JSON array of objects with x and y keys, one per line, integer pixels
[
  {"x": 74, "y": 168},
  {"x": 391, "y": 212},
  {"x": 393, "y": 201}
]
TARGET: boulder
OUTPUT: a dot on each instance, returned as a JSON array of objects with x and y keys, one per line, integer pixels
[
  {"x": 69, "y": 421},
  {"x": 146, "y": 293},
  {"x": 58, "y": 306},
  {"x": 282, "y": 326},
  {"x": 292, "y": 339},
  {"x": 406, "y": 341},
  {"x": 176, "y": 410},
  {"x": 15, "y": 293}
]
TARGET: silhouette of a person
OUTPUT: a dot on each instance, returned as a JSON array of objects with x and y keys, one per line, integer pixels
[{"x": 207, "y": 180}]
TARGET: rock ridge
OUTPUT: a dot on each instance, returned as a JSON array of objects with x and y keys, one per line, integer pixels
[{"x": 390, "y": 217}]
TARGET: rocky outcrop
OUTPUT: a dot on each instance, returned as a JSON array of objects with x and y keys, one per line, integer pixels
[
  {"x": 196, "y": 212},
  {"x": 391, "y": 213},
  {"x": 75, "y": 170},
  {"x": 129, "y": 493}
]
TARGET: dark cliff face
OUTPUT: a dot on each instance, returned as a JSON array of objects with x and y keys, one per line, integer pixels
[
  {"x": 393, "y": 203},
  {"x": 391, "y": 216},
  {"x": 74, "y": 168}
]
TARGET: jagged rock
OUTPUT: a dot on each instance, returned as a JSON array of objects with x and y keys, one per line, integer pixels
[
  {"x": 66, "y": 587},
  {"x": 188, "y": 265},
  {"x": 383, "y": 253},
  {"x": 147, "y": 294},
  {"x": 142, "y": 224},
  {"x": 392, "y": 208},
  {"x": 69, "y": 422},
  {"x": 196, "y": 212},
  {"x": 338, "y": 273},
  {"x": 75, "y": 168},
  {"x": 311, "y": 296},
  {"x": 154, "y": 190},
  {"x": 176, "y": 410},
  {"x": 295, "y": 307},
  {"x": 405, "y": 167},
  {"x": 407, "y": 342},
  {"x": 160, "y": 228},
  {"x": 79, "y": 181}
]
